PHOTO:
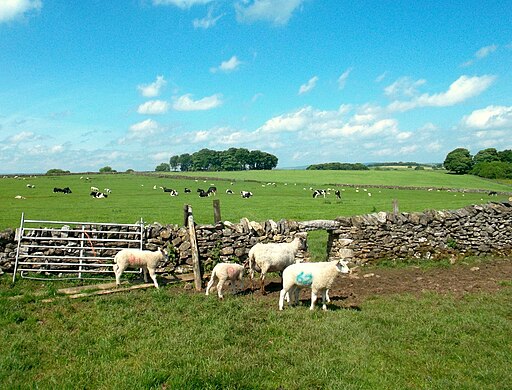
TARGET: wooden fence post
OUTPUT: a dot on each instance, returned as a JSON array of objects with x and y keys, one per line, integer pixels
[
  {"x": 395, "y": 207},
  {"x": 216, "y": 211},
  {"x": 194, "y": 249}
]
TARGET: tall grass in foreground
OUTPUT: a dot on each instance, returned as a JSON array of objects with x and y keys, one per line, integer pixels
[{"x": 178, "y": 339}]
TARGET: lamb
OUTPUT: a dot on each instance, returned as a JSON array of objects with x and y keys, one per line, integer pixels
[
  {"x": 274, "y": 257},
  {"x": 223, "y": 272},
  {"x": 318, "y": 276},
  {"x": 136, "y": 258}
]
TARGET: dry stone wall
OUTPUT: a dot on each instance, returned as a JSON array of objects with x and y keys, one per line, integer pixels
[{"x": 473, "y": 230}]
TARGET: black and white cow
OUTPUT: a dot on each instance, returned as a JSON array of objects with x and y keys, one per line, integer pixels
[
  {"x": 317, "y": 193},
  {"x": 245, "y": 194}
]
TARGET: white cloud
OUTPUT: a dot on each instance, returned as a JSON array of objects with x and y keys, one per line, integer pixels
[
  {"x": 141, "y": 130},
  {"x": 153, "y": 89},
  {"x": 434, "y": 146},
  {"x": 21, "y": 137},
  {"x": 460, "y": 90},
  {"x": 481, "y": 53},
  {"x": 186, "y": 103},
  {"x": 305, "y": 88},
  {"x": 153, "y": 107},
  {"x": 277, "y": 12},
  {"x": 208, "y": 21},
  {"x": 485, "y": 51},
  {"x": 227, "y": 66},
  {"x": 491, "y": 117},
  {"x": 343, "y": 78},
  {"x": 381, "y": 77},
  {"x": 404, "y": 86},
  {"x": 183, "y": 4},
  {"x": 404, "y": 135},
  {"x": 13, "y": 9}
]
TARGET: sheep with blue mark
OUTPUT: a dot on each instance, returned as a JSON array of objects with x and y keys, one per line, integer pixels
[{"x": 317, "y": 276}]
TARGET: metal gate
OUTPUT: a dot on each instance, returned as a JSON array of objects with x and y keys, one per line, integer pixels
[{"x": 68, "y": 250}]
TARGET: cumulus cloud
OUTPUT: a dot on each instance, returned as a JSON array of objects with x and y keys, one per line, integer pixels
[
  {"x": 186, "y": 103},
  {"x": 153, "y": 107},
  {"x": 208, "y": 21},
  {"x": 183, "y": 4},
  {"x": 305, "y": 88},
  {"x": 153, "y": 89},
  {"x": 463, "y": 88},
  {"x": 13, "y": 9},
  {"x": 342, "y": 80},
  {"x": 490, "y": 117},
  {"x": 277, "y": 12},
  {"x": 227, "y": 66},
  {"x": 141, "y": 130}
]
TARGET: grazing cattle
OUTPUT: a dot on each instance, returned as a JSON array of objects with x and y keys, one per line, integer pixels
[
  {"x": 31, "y": 186},
  {"x": 317, "y": 193},
  {"x": 212, "y": 190},
  {"x": 173, "y": 193},
  {"x": 338, "y": 194},
  {"x": 107, "y": 191},
  {"x": 493, "y": 193},
  {"x": 98, "y": 195},
  {"x": 229, "y": 192},
  {"x": 65, "y": 190},
  {"x": 202, "y": 193},
  {"x": 19, "y": 197},
  {"x": 187, "y": 191},
  {"x": 245, "y": 194}
]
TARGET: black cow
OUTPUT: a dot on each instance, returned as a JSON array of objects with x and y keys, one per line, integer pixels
[{"x": 65, "y": 190}]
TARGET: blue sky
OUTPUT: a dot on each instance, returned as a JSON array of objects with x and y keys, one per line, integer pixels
[{"x": 85, "y": 84}]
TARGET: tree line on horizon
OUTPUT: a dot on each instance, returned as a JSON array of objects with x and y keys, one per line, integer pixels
[
  {"x": 487, "y": 163},
  {"x": 233, "y": 159}
]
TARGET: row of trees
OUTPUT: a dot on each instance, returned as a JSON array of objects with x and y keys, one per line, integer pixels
[
  {"x": 337, "y": 166},
  {"x": 233, "y": 159},
  {"x": 488, "y": 163}
]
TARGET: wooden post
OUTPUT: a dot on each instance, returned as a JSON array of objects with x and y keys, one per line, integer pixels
[
  {"x": 216, "y": 211},
  {"x": 395, "y": 207},
  {"x": 195, "y": 251}
]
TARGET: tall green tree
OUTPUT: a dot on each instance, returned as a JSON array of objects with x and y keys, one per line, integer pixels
[
  {"x": 486, "y": 155},
  {"x": 459, "y": 161},
  {"x": 174, "y": 162},
  {"x": 163, "y": 167}
]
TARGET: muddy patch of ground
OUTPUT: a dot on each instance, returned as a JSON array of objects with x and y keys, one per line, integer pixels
[{"x": 459, "y": 279}]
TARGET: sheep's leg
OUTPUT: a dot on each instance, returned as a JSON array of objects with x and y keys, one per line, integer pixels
[
  {"x": 314, "y": 297},
  {"x": 282, "y": 294},
  {"x": 262, "y": 283},
  {"x": 219, "y": 288},
  {"x": 152, "y": 273},
  {"x": 327, "y": 296},
  {"x": 210, "y": 284},
  {"x": 145, "y": 273},
  {"x": 324, "y": 299}
]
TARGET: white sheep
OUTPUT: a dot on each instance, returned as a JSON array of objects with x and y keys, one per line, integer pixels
[
  {"x": 318, "y": 276},
  {"x": 274, "y": 257},
  {"x": 136, "y": 258},
  {"x": 223, "y": 272}
]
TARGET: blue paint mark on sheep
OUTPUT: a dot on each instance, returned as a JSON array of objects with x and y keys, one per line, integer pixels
[{"x": 304, "y": 279}]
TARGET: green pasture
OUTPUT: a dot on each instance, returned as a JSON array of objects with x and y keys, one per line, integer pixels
[
  {"x": 175, "y": 338},
  {"x": 134, "y": 197}
]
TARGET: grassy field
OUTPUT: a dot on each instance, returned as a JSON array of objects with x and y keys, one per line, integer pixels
[
  {"x": 133, "y": 196},
  {"x": 177, "y": 339}
]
